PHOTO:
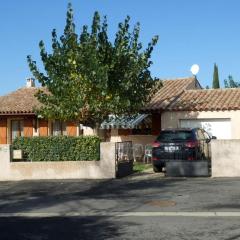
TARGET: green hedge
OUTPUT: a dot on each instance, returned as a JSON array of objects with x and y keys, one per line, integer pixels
[{"x": 59, "y": 148}]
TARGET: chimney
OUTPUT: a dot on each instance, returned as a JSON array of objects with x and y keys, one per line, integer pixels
[{"x": 30, "y": 82}]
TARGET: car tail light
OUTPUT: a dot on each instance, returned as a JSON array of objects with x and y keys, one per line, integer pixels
[
  {"x": 190, "y": 158},
  {"x": 156, "y": 144},
  {"x": 154, "y": 158},
  {"x": 191, "y": 144}
]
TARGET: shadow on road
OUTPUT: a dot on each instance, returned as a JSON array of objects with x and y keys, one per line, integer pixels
[
  {"x": 29, "y": 196},
  {"x": 59, "y": 228},
  {"x": 96, "y": 196}
]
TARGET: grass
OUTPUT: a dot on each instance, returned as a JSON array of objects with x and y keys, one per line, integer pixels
[{"x": 140, "y": 167}]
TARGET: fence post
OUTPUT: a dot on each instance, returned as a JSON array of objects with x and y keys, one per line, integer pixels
[
  {"x": 5, "y": 158},
  {"x": 107, "y": 159}
]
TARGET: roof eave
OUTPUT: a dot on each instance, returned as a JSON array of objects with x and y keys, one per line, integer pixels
[{"x": 16, "y": 113}]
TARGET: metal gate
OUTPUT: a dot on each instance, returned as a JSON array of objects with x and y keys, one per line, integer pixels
[
  {"x": 124, "y": 158},
  {"x": 192, "y": 158},
  {"x": 196, "y": 163}
]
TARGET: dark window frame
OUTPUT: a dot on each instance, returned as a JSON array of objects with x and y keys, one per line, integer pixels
[
  {"x": 20, "y": 128},
  {"x": 62, "y": 128}
]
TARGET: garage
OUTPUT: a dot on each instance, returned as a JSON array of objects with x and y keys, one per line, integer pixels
[
  {"x": 221, "y": 128},
  {"x": 215, "y": 110}
]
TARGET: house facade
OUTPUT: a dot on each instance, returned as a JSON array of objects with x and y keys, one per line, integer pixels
[
  {"x": 152, "y": 114},
  {"x": 17, "y": 117},
  {"x": 215, "y": 110},
  {"x": 182, "y": 103},
  {"x": 179, "y": 103}
]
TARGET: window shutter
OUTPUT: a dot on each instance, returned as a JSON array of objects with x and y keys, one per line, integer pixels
[
  {"x": 43, "y": 127},
  {"x": 71, "y": 129},
  {"x": 3, "y": 131},
  {"x": 28, "y": 128}
]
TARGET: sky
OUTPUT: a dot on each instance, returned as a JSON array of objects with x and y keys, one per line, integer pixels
[{"x": 190, "y": 32}]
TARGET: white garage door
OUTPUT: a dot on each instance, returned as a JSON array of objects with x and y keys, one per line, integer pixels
[{"x": 221, "y": 128}]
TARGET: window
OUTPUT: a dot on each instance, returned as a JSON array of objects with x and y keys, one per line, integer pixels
[
  {"x": 59, "y": 128},
  {"x": 16, "y": 129},
  {"x": 175, "y": 136}
]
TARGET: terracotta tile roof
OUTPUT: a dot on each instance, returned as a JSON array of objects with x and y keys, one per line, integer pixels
[
  {"x": 170, "y": 90},
  {"x": 21, "y": 101},
  {"x": 181, "y": 94},
  {"x": 208, "y": 100}
]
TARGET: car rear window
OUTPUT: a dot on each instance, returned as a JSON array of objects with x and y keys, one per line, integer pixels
[{"x": 175, "y": 136}]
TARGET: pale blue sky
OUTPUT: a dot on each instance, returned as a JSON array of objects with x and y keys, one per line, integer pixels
[{"x": 201, "y": 32}]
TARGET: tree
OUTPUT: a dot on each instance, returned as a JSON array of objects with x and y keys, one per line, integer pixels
[
  {"x": 230, "y": 83},
  {"x": 88, "y": 77},
  {"x": 215, "y": 83}
]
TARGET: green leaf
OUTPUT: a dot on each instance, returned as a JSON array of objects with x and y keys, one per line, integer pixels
[{"x": 88, "y": 76}]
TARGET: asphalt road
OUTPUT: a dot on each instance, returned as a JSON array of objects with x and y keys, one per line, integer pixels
[
  {"x": 142, "y": 207},
  {"x": 102, "y": 228}
]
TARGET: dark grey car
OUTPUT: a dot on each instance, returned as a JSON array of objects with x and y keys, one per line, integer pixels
[{"x": 180, "y": 144}]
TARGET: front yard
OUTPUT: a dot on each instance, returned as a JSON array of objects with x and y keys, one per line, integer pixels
[{"x": 140, "y": 167}]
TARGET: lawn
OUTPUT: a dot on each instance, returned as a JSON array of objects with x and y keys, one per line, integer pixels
[{"x": 140, "y": 167}]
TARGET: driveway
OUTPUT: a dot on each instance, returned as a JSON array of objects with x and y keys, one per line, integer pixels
[{"x": 146, "y": 206}]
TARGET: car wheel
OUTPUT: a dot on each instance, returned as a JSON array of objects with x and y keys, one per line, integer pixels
[{"x": 157, "y": 169}]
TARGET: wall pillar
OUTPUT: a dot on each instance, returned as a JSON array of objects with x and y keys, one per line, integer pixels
[
  {"x": 107, "y": 159},
  {"x": 5, "y": 157}
]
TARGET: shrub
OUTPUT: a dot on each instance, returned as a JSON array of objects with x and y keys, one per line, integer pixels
[{"x": 59, "y": 148}]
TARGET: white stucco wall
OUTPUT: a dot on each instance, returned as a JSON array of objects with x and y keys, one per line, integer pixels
[
  {"x": 103, "y": 169},
  {"x": 136, "y": 139},
  {"x": 225, "y": 158},
  {"x": 171, "y": 119},
  {"x": 87, "y": 131}
]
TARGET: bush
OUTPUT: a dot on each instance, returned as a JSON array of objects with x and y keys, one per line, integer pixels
[{"x": 59, "y": 148}]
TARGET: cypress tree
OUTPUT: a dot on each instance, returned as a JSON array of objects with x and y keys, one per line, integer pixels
[{"x": 215, "y": 83}]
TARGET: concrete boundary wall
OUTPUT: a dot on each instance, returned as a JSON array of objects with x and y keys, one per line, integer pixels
[
  {"x": 103, "y": 169},
  {"x": 225, "y": 158}
]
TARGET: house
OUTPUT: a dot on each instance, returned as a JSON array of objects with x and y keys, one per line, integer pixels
[
  {"x": 17, "y": 117},
  {"x": 179, "y": 103},
  {"x": 182, "y": 103},
  {"x": 146, "y": 126},
  {"x": 215, "y": 110}
]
